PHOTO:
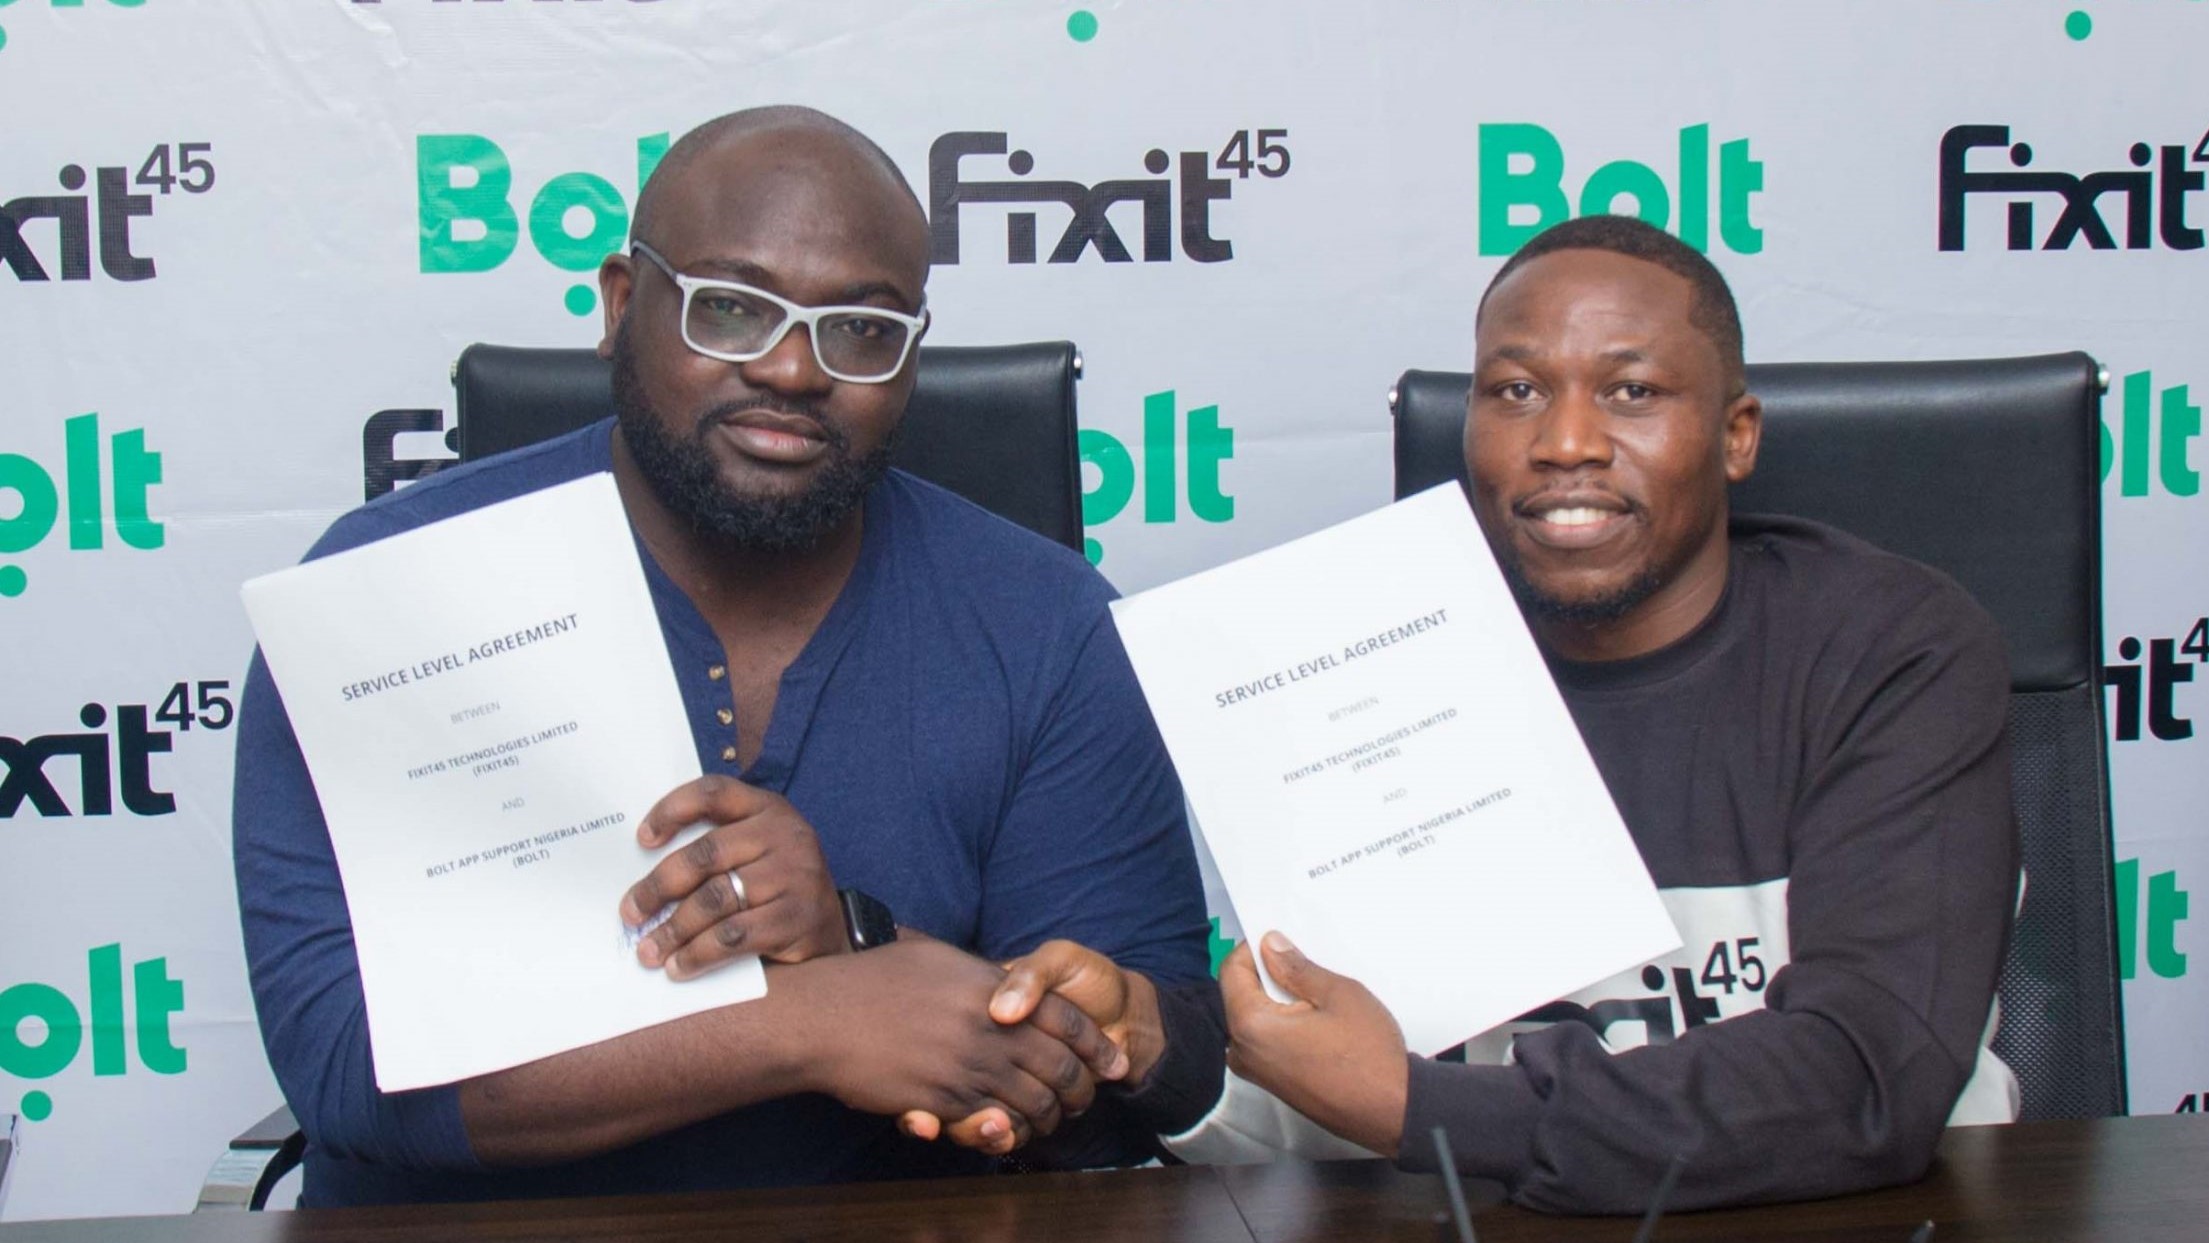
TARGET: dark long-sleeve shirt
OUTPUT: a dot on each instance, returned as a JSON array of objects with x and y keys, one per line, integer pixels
[{"x": 1818, "y": 778}]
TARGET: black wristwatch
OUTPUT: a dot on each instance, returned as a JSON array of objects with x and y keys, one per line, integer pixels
[{"x": 866, "y": 921}]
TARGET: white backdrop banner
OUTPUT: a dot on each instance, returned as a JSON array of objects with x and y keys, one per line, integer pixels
[{"x": 241, "y": 244}]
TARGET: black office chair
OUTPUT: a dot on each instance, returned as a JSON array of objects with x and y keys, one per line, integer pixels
[
  {"x": 995, "y": 423},
  {"x": 1987, "y": 470}
]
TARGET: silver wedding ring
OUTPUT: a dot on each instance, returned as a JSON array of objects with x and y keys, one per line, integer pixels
[{"x": 736, "y": 883}]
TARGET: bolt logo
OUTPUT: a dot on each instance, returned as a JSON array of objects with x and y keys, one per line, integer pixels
[
  {"x": 1192, "y": 188},
  {"x": 68, "y": 4},
  {"x": 465, "y": 188},
  {"x": 2166, "y": 908},
  {"x": 1522, "y": 189},
  {"x": 2170, "y": 663},
  {"x": 115, "y": 757},
  {"x": 155, "y": 998},
  {"x": 2145, "y": 451},
  {"x": 132, "y": 470},
  {"x": 2153, "y": 199},
  {"x": 1207, "y": 444}
]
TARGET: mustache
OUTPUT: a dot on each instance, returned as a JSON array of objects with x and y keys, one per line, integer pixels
[{"x": 771, "y": 404}]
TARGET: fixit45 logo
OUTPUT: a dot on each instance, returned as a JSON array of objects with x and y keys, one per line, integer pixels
[
  {"x": 105, "y": 213},
  {"x": 113, "y": 755},
  {"x": 2144, "y": 690},
  {"x": 2152, "y": 192},
  {"x": 1180, "y": 184}
]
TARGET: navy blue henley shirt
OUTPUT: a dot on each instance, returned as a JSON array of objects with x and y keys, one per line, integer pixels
[{"x": 963, "y": 732}]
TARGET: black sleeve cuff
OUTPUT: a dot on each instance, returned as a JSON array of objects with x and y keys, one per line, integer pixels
[
  {"x": 1488, "y": 1112},
  {"x": 1185, "y": 1083}
]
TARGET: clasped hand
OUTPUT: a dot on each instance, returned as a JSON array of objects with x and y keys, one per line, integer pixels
[{"x": 917, "y": 1027}]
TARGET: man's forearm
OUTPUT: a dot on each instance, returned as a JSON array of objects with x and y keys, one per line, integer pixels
[{"x": 622, "y": 1091}]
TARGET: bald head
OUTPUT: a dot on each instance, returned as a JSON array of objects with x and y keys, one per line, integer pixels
[{"x": 788, "y": 128}]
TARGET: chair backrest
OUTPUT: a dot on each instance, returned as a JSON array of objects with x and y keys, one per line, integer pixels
[
  {"x": 995, "y": 424},
  {"x": 1989, "y": 471}
]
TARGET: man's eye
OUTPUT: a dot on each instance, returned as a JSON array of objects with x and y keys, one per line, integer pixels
[
  {"x": 864, "y": 327},
  {"x": 1636, "y": 392},
  {"x": 724, "y": 306},
  {"x": 1515, "y": 390}
]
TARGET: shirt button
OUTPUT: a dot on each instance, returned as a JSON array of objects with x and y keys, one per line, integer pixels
[
  {"x": 727, "y": 717},
  {"x": 717, "y": 672},
  {"x": 728, "y": 754}
]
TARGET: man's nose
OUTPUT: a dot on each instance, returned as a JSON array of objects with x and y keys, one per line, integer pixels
[
  {"x": 1573, "y": 432},
  {"x": 791, "y": 368}
]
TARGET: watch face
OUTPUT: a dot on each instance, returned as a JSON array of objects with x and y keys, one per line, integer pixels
[{"x": 867, "y": 921}]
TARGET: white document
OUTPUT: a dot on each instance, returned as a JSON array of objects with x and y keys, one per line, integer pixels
[
  {"x": 1384, "y": 772},
  {"x": 487, "y": 709}
]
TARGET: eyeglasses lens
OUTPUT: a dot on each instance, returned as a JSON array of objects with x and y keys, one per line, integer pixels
[{"x": 850, "y": 343}]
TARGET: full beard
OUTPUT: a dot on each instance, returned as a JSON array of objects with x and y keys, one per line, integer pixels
[{"x": 681, "y": 471}]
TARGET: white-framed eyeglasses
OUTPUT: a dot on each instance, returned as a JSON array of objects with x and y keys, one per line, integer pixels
[{"x": 738, "y": 323}]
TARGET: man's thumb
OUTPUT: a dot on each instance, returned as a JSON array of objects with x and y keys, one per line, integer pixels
[{"x": 1299, "y": 976}]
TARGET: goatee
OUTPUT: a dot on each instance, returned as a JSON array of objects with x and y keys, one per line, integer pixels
[{"x": 681, "y": 470}]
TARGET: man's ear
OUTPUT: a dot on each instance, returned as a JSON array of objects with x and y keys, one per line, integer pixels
[
  {"x": 1744, "y": 432},
  {"x": 616, "y": 281}
]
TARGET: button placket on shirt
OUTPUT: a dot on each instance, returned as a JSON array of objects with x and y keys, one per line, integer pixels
[{"x": 726, "y": 716}]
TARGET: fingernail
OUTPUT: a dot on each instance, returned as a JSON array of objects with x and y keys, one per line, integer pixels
[
  {"x": 1119, "y": 1067},
  {"x": 1279, "y": 944},
  {"x": 1005, "y": 1005},
  {"x": 648, "y": 953},
  {"x": 992, "y": 1128},
  {"x": 631, "y": 917}
]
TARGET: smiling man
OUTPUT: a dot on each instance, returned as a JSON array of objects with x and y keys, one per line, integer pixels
[
  {"x": 1806, "y": 738},
  {"x": 910, "y": 714}
]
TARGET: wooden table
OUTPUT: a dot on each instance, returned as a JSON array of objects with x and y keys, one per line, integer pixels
[{"x": 2125, "y": 1180}]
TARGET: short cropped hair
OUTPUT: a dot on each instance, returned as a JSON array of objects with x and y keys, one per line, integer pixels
[{"x": 1712, "y": 312}]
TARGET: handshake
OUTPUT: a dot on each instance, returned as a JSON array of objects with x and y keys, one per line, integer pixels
[{"x": 986, "y": 1055}]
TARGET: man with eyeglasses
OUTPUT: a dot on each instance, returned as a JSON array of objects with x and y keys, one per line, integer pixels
[{"x": 912, "y": 715}]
